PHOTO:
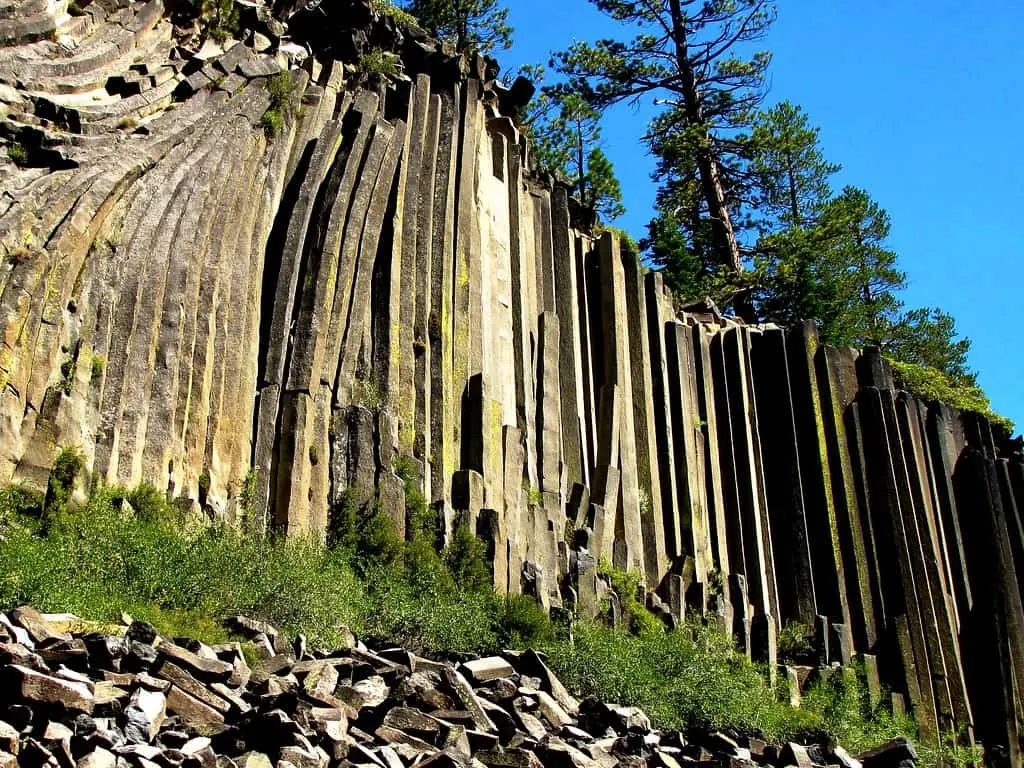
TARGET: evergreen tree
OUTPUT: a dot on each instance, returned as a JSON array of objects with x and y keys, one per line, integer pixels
[
  {"x": 853, "y": 230},
  {"x": 471, "y": 25},
  {"x": 600, "y": 188},
  {"x": 789, "y": 178},
  {"x": 840, "y": 273},
  {"x": 790, "y": 172},
  {"x": 567, "y": 135},
  {"x": 683, "y": 52},
  {"x": 928, "y": 337}
]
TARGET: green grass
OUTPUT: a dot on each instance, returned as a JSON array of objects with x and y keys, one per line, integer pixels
[
  {"x": 18, "y": 154},
  {"x": 692, "y": 677},
  {"x": 97, "y": 562},
  {"x": 186, "y": 578}
]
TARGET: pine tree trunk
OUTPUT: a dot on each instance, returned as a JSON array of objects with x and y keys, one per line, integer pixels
[{"x": 727, "y": 248}]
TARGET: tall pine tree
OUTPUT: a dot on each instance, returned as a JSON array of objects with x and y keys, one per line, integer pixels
[
  {"x": 683, "y": 52},
  {"x": 470, "y": 25}
]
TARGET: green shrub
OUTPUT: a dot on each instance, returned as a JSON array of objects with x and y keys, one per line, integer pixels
[
  {"x": 520, "y": 622},
  {"x": 61, "y": 483},
  {"x": 280, "y": 88},
  {"x": 272, "y": 122},
  {"x": 151, "y": 504},
  {"x": 626, "y": 240},
  {"x": 626, "y": 585},
  {"x": 932, "y": 384},
  {"x": 794, "y": 642},
  {"x": 220, "y": 19},
  {"x": 247, "y": 499},
  {"x": 388, "y": 8},
  {"x": 98, "y": 561},
  {"x": 67, "y": 375},
  {"x": 18, "y": 154},
  {"x": 692, "y": 677},
  {"x": 466, "y": 560},
  {"x": 377, "y": 63},
  {"x": 97, "y": 366}
]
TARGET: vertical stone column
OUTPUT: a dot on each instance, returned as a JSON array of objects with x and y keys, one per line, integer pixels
[
  {"x": 783, "y": 483},
  {"x": 905, "y": 628},
  {"x": 755, "y": 528},
  {"x": 617, "y": 373},
  {"x": 995, "y": 634},
  {"x": 422, "y": 352},
  {"x": 837, "y": 378},
  {"x": 929, "y": 557},
  {"x": 551, "y": 530},
  {"x": 732, "y": 521},
  {"x": 816, "y": 473},
  {"x": 587, "y": 392},
  {"x": 416, "y": 185},
  {"x": 443, "y": 456},
  {"x": 642, "y": 386},
  {"x": 663, "y": 391},
  {"x": 524, "y": 311},
  {"x": 943, "y": 425},
  {"x": 467, "y": 245},
  {"x": 570, "y": 362},
  {"x": 692, "y": 523},
  {"x": 514, "y": 455},
  {"x": 708, "y": 417}
]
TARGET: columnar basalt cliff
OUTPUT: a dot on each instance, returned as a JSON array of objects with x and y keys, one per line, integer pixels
[{"x": 388, "y": 284}]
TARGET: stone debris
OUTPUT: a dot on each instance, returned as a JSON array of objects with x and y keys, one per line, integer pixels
[
  {"x": 348, "y": 707},
  {"x": 256, "y": 263}
]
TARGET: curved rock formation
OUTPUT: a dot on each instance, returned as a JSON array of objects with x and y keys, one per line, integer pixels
[{"x": 387, "y": 283}]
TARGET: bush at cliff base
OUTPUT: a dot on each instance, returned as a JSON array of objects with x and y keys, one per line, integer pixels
[{"x": 103, "y": 559}]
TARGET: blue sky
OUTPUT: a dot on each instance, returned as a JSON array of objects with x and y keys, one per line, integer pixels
[{"x": 922, "y": 103}]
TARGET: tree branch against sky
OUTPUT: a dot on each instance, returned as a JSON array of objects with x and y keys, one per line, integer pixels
[
  {"x": 684, "y": 54},
  {"x": 476, "y": 25}
]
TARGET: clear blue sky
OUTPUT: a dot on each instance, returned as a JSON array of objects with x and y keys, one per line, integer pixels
[{"x": 922, "y": 103}]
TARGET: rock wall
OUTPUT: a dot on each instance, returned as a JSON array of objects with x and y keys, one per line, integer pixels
[{"x": 387, "y": 287}]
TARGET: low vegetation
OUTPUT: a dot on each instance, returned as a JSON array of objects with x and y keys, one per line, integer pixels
[
  {"x": 17, "y": 154},
  {"x": 378, "y": 64},
  {"x": 220, "y": 19},
  {"x": 932, "y": 384},
  {"x": 388, "y": 8},
  {"x": 280, "y": 88},
  {"x": 133, "y": 551}
]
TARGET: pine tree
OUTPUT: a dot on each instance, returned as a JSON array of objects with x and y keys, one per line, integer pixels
[
  {"x": 567, "y": 134},
  {"x": 789, "y": 169},
  {"x": 471, "y": 25},
  {"x": 683, "y": 52},
  {"x": 854, "y": 229}
]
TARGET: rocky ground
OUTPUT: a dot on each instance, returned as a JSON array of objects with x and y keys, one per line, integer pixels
[{"x": 78, "y": 695}]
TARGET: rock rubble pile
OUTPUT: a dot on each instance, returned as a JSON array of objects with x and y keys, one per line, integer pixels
[{"x": 77, "y": 695}]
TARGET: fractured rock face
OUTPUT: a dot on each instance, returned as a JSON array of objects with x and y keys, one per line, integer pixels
[{"x": 249, "y": 274}]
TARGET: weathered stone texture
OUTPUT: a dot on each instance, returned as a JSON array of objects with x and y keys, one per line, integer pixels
[{"x": 386, "y": 293}]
